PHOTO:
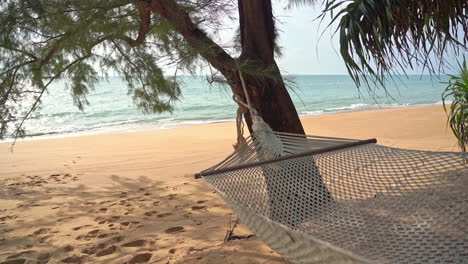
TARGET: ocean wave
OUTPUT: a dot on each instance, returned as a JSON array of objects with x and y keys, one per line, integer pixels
[
  {"x": 111, "y": 110},
  {"x": 317, "y": 112},
  {"x": 447, "y": 102},
  {"x": 348, "y": 107}
]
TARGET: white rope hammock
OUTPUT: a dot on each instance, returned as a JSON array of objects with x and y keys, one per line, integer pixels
[{"x": 332, "y": 200}]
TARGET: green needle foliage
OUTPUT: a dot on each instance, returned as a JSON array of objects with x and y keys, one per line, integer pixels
[
  {"x": 82, "y": 41},
  {"x": 457, "y": 89}
]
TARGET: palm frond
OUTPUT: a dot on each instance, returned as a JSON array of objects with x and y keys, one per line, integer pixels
[
  {"x": 379, "y": 38},
  {"x": 457, "y": 90}
]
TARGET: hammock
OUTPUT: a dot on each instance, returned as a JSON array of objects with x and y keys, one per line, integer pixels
[{"x": 332, "y": 200}]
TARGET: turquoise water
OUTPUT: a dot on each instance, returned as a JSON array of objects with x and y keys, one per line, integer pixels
[{"x": 112, "y": 110}]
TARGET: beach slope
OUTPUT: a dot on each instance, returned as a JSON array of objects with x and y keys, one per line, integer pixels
[{"x": 132, "y": 197}]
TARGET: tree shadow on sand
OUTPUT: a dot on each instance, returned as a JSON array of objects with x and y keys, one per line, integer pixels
[{"x": 54, "y": 219}]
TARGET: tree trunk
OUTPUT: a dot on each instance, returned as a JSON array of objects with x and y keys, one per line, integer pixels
[
  {"x": 273, "y": 102},
  {"x": 268, "y": 93}
]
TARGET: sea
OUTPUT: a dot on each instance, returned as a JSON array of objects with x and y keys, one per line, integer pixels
[{"x": 111, "y": 109}]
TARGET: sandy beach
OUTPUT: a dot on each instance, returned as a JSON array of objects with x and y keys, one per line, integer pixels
[{"x": 132, "y": 198}]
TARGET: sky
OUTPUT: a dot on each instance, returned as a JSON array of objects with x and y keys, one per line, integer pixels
[
  {"x": 305, "y": 50},
  {"x": 298, "y": 37}
]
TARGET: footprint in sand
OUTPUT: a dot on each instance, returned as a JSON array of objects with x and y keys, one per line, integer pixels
[
  {"x": 117, "y": 239},
  {"x": 106, "y": 251},
  {"x": 80, "y": 227},
  {"x": 41, "y": 231},
  {"x": 150, "y": 213},
  {"x": 197, "y": 222},
  {"x": 20, "y": 254},
  {"x": 140, "y": 258},
  {"x": 91, "y": 234},
  {"x": 201, "y": 201},
  {"x": 187, "y": 215},
  {"x": 26, "y": 246},
  {"x": 93, "y": 249},
  {"x": 99, "y": 219},
  {"x": 43, "y": 258},
  {"x": 68, "y": 248},
  {"x": 73, "y": 259},
  {"x": 198, "y": 207},
  {"x": 164, "y": 215},
  {"x": 105, "y": 235},
  {"x": 136, "y": 243},
  {"x": 174, "y": 229},
  {"x": 7, "y": 217},
  {"x": 102, "y": 220},
  {"x": 14, "y": 261},
  {"x": 128, "y": 223},
  {"x": 65, "y": 218},
  {"x": 113, "y": 218},
  {"x": 44, "y": 239}
]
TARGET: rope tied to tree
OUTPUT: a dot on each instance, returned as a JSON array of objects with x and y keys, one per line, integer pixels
[{"x": 262, "y": 132}]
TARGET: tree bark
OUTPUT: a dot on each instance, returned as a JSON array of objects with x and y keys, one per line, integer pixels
[
  {"x": 271, "y": 99},
  {"x": 268, "y": 93}
]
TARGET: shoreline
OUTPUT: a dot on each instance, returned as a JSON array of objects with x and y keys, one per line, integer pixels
[{"x": 151, "y": 128}]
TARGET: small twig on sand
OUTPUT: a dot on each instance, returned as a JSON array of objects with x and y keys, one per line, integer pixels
[{"x": 230, "y": 232}]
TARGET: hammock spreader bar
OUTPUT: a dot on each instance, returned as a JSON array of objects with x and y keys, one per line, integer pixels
[{"x": 209, "y": 172}]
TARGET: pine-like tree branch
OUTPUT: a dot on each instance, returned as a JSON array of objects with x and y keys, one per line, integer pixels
[{"x": 198, "y": 39}]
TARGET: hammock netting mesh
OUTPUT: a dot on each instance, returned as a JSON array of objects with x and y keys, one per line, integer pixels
[{"x": 357, "y": 204}]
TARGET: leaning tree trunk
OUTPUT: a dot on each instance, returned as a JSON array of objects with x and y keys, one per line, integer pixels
[
  {"x": 270, "y": 98},
  {"x": 267, "y": 93}
]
